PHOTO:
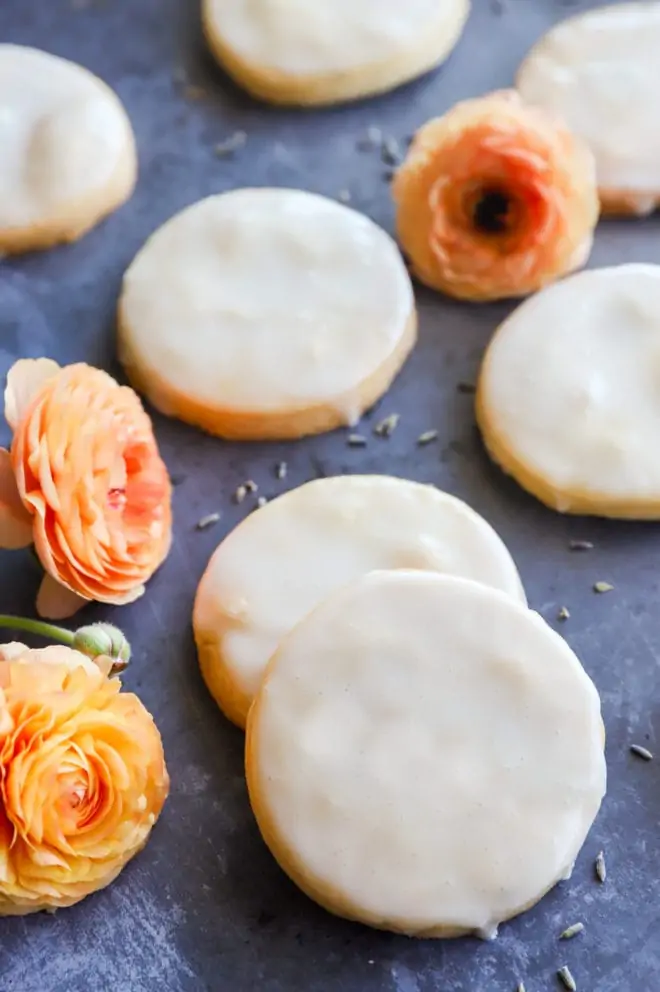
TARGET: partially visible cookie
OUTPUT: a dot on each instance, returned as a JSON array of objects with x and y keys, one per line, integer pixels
[
  {"x": 568, "y": 399},
  {"x": 67, "y": 151},
  {"x": 599, "y": 71},
  {"x": 425, "y": 755},
  {"x": 327, "y": 51},
  {"x": 284, "y": 559},
  {"x": 266, "y": 313}
]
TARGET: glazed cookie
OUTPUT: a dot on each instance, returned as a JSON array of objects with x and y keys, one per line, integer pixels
[
  {"x": 599, "y": 70},
  {"x": 266, "y": 313},
  {"x": 68, "y": 153},
  {"x": 568, "y": 400},
  {"x": 296, "y": 52},
  {"x": 425, "y": 755},
  {"x": 495, "y": 199},
  {"x": 326, "y": 533}
]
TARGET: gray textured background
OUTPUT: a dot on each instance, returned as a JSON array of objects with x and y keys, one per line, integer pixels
[{"x": 205, "y": 907}]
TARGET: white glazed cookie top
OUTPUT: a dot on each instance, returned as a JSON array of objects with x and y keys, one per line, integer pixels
[
  {"x": 570, "y": 385},
  {"x": 63, "y": 134},
  {"x": 266, "y": 299},
  {"x": 283, "y": 560},
  {"x": 600, "y": 71},
  {"x": 299, "y": 37},
  {"x": 426, "y": 753}
]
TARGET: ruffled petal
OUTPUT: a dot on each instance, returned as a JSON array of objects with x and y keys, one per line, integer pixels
[
  {"x": 124, "y": 598},
  {"x": 12, "y": 650},
  {"x": 88, "y": 469},
  {"x": 56, "y": 602},
  {"x": 83, "y": 779},
  {"x": 15, "y": 521},
  {"x": 494, "y": 199},
  {"x": 53, "y": 654},
  {"x": 24, "y": 379}
]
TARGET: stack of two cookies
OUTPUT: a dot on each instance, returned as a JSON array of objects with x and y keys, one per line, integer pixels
[{"x": 424, "y": 754}]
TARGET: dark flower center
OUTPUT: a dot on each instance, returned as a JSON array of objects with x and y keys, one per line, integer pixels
[{"x": 492, "y": 211}]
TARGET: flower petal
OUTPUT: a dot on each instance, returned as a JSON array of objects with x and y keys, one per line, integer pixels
[
  {"x": 6, "y": 835},
  {"x": 88, "y": 469},
  {"x": 12, "y": 650},
  {"x": 15, "y": 521},
  {"x": 24, "y": 379},
  {"x": 83, "y": 780},
  {"x": 124, "y": 598},
  {"x": 53, "y": 654},
  {"x": 56, "y": 602}
]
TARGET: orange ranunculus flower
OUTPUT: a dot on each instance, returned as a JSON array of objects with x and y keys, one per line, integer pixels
[
  {"x": 85, "y": 482},
  {"x": 82, "y": 778},
  {"x": 496, "y": 199}
]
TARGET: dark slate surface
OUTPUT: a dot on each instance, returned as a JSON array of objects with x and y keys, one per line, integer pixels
[{"x": 205, "y": 907}]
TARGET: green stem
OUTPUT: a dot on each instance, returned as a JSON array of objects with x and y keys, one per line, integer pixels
[{"x": 47, "y": 630}]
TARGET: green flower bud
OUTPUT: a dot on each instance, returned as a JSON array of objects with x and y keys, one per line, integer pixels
[{"x": 103, "y": 639}]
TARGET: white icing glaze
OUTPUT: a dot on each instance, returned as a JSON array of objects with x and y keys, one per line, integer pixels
[
  {"x": 571, "y": 386},
  {"x": 287, "y": 557},
  {"x": 600, "y": 71},
  {"x": 299, "y": 37},
  {"x": 425, "y": 754},
  {"x": 266, "y": 299},
  {"x": 63, "y": 135}
]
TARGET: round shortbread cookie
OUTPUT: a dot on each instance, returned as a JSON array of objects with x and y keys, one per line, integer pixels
[
  {"x": 286, "y": 558},
  {"x": 297, "y": 52},
  {"x": 266, "y": 313},
  {"x": 568, "y": 399},
  {"x": 599, "y": 71},
  {"x": 67, "y": 154},
  {"x": 425, "y": 755}
]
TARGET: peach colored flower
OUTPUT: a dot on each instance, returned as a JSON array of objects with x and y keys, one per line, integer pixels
[
  {"x": 84, "y": 481},
  {"x": 82, "y": 778},
  {"x": 496, "y": 199}
]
